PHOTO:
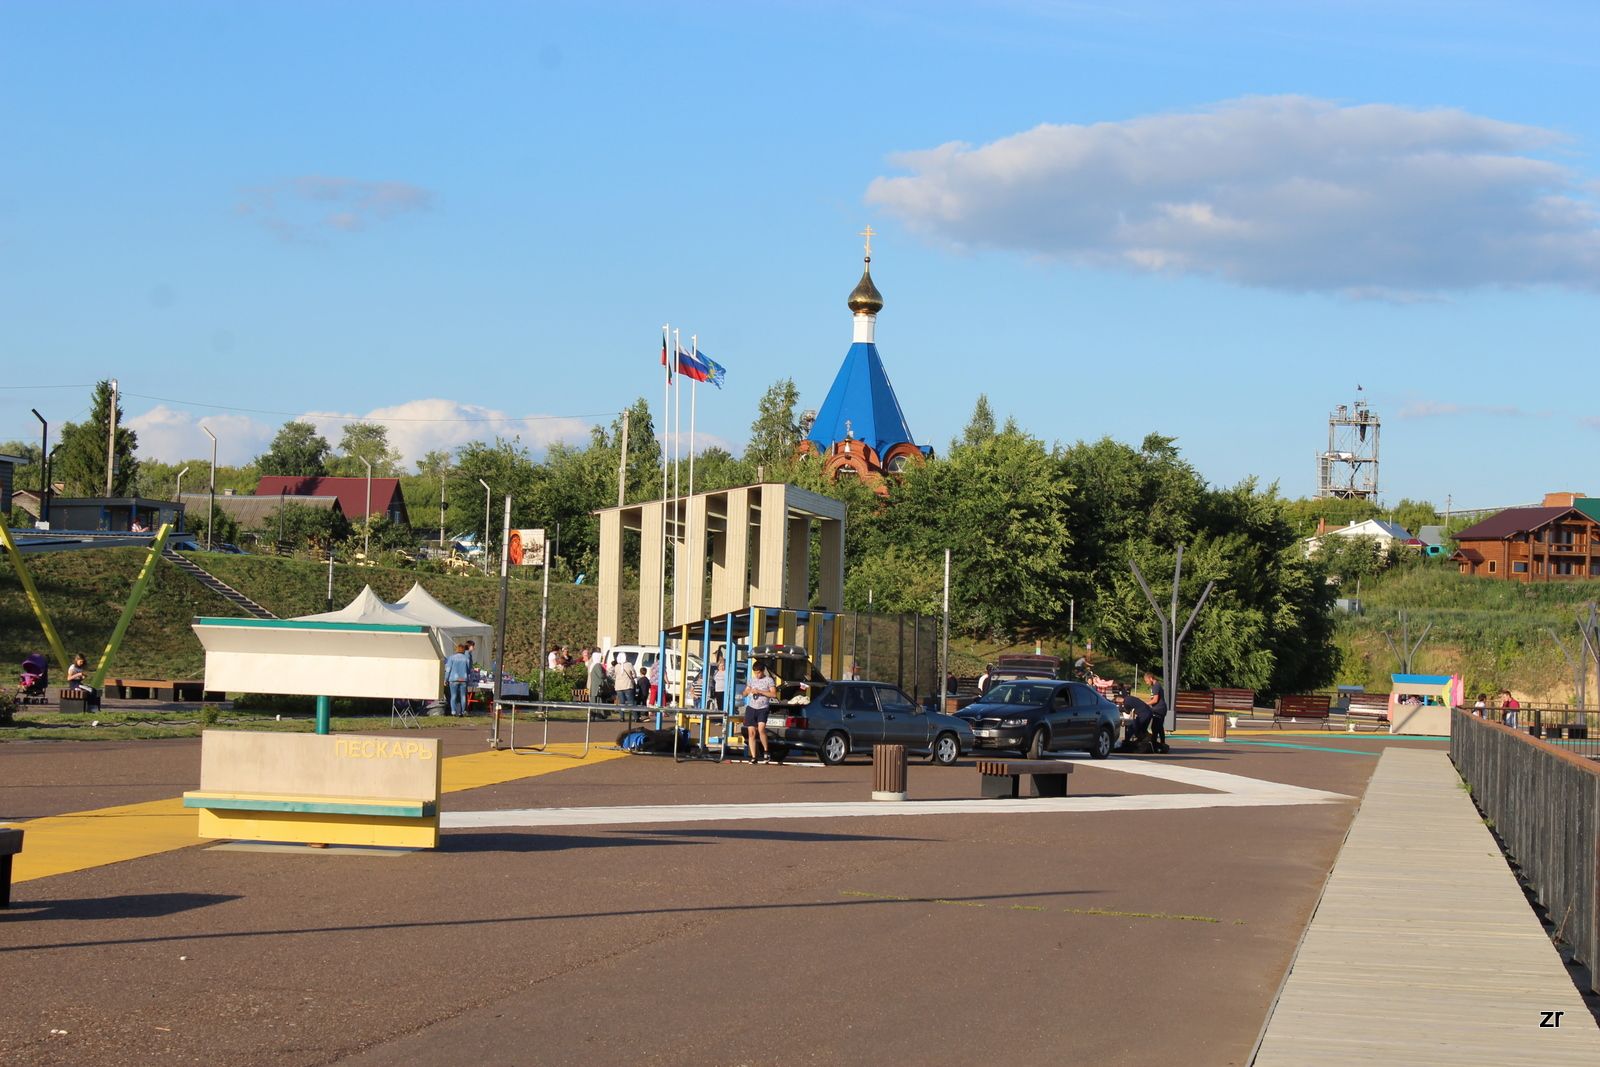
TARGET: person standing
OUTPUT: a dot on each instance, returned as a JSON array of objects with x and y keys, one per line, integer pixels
[
  {"x": 1158, "y": 711},
  {"x": 623, "y": 679},
  {"x": 757, "y": 695},
  {"x": 1509, "y": 708},
  {"x": 596, "y": 679},
  {"x": 552, "y": 662},
  {"x": 1479, "y": 706},
  {"x": 456, "y": 669},
  {"x": 719, "y": 679}
]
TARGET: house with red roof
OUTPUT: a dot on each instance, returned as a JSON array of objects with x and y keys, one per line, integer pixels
[
  {"x": 351, "y": 493},
  {"x": 1557, "y": 541}
]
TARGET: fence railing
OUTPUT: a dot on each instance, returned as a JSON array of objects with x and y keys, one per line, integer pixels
[{"x": 1544, "y": 802}]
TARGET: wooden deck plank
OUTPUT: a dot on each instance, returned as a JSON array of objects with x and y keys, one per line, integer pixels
[{"x": 1423, "y": 949}]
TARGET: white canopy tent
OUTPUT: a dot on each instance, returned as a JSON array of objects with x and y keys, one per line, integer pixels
[
  {"x": 418, "y": 608},
  {"x": 420, "y": 605}
]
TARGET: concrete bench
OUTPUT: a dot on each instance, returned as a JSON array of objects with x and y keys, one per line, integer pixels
[
  {"x": 1003, "y": 778},
  {"x": 314, "y": 789},
  {"x": 1302, "y": 707},
  {"x": 10, "y": 845}
]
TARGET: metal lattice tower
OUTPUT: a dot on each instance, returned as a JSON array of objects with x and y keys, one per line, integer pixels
[{"x": 1348, "y": 470}]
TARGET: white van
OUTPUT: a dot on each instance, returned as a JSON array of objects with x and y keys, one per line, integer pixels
[{"x": 643, "y": 656}]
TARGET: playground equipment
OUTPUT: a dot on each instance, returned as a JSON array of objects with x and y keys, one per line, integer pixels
[{"x": 1421, "y": 703}]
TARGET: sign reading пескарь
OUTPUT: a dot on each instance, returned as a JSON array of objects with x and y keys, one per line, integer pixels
[{"x": 377, "y": 748}]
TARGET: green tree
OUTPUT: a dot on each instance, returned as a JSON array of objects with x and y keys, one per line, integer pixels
[
  {"x": 297, "y": 451},
  {"x": 307, "y": 527},
  {"x": 980, "y": 427},
  {"x": 366, "y": 441},
  {"x": 80, "y": 463},
  {"x": 1415, "y": 514},
  {"x": 775, "y": 433}
]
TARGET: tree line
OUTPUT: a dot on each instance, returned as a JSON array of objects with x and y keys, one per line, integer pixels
[{"x": 1041, "y": 534}]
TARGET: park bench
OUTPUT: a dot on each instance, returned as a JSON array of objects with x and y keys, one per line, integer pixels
[
  {"x": 318, "y": 789},
  {"x": 1371, "y": 709},
  {"x": 1302, "y": 707},
  {"x": 1195, "y": 702},
  {"x": 74, "y": 701},
  {"x": 10, "y": 845},
  {"x": 1234, "y": 701},
  {"x": 183, "y": 689},
  {"x": 1003, "y": 778}
]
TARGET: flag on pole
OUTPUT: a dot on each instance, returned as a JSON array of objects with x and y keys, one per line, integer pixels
[
  {"x": 715, "y": 371},
  {"x": 665, "y": 362},
  {"x": 692, "y": 365}
]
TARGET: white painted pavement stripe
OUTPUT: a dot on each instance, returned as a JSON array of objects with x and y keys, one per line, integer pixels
[{"x": 1235, "y": 791}]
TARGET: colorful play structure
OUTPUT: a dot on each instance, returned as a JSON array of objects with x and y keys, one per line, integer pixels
[{"x": 1421, "y": 703}]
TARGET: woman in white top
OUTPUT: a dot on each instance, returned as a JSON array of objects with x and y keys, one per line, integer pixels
[{"x": 757, "y": 695}]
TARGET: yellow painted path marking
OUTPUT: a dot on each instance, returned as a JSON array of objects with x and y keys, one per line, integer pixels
[{"x": 60, "y": 844}]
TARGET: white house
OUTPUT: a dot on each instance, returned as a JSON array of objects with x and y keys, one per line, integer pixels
[{"x": 1387, "y": 534}]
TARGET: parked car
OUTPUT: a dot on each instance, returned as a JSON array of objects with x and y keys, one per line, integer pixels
[
  {"x": 845, "y": 717},
  {"x": 1034, "y": 717}
]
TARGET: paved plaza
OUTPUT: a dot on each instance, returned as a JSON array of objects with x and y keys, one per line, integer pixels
[{"x": 632, "y": 909}]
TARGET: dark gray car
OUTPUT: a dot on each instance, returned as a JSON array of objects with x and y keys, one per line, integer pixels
[
  {"x": 1035, "y": 717},
  {"x": 846, "y": 717}
]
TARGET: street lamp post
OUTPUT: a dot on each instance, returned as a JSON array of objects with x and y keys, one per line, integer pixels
[
  {"x": 179, "y": 493},
  {"x": 366, "y": 538},
  {"x": 486, "y": 492},
  {"x": 211, "y": 499},
  {"x": 44, "y": 464}
]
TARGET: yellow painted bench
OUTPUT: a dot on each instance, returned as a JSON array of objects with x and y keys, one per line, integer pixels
[{"x": 313, "y": 789}]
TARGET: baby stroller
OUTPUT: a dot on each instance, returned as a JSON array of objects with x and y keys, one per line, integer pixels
[{"x": 35, "y": 680}]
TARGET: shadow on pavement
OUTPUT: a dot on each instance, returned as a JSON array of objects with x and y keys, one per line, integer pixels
[{"x": 142, "y": 906}]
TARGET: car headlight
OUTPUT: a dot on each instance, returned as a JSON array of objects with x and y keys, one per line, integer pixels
[{"x": 1013, "y": 722}]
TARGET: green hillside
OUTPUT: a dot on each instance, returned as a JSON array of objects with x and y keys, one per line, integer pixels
[
  {"x": 84, "y": 592},
  {"x": 1493, "y": 633}
]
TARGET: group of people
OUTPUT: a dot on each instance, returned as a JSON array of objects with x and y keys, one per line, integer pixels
[
  {"x": 1149, "y": 725},
  {"x": 1509, "y": 706}
]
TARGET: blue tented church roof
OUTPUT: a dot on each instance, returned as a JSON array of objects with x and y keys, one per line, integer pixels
[{"x": 861, "y": 401}]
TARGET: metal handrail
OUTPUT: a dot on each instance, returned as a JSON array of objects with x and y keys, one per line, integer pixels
[{"x": 543, "y": 709}]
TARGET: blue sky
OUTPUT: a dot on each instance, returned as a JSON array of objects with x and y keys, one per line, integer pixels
[{"x": 1207, "y": 220}]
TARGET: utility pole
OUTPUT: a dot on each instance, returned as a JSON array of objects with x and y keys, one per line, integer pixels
[
  {"x": 211, "y": 499},
  {"x": 622, "y": 463},
  {"x": 111, "y": 442},
  {"x": 944, "y": 640}
]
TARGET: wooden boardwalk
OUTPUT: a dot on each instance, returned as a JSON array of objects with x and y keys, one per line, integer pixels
[{"x": 1423, "y": 949}]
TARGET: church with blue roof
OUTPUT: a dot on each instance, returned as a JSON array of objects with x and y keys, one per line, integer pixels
[{"x": 860, "y": 430}]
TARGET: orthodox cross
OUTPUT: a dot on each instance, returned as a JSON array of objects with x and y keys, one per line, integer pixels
[{"x": 868, "y": 234}]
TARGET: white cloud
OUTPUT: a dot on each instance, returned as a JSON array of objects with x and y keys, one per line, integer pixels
[
  {"x": 173, "y": 436},
  {"x": 1280, "y": 192},
  {"x": 418, "y": 427},
  {"x": 303, "y": 209}
]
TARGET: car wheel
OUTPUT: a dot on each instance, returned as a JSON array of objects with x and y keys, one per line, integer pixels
[
  {"x": 1102, "y": 743},
  {"x": 946, "y": 749},
  {"x": 835, "y": 747},
  {"x": 1038, "y": 741}
]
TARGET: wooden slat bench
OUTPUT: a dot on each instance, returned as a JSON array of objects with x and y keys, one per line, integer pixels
[
  {"x": 1195, "y": 702},
  {"x": 1371, "y": 709},
  {"x": 1302, "y": 707},
  {"x": 10, "y": 845},
  {"x": 180, "y": 689},
  {"x": 1003, "y": 778},
  {"x": 73, "y": 701},
  {"x": 1234, "y": 701}
]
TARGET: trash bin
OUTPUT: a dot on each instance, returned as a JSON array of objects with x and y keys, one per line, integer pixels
[
  {"x": 888, "y": 772},
  {"x": 1219, "y": 726}
]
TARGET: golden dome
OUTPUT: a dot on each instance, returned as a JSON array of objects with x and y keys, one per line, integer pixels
[{"x": 865, "y": 298}]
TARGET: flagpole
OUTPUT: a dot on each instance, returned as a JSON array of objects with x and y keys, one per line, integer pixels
[
  {"x": 694, "y": 391},
  {"x": 666, "y": 401}
]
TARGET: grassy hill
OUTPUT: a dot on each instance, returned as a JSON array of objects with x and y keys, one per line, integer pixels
[
  {"x": 1493, "y": 633},
  {"x": 84, "y": 592}
]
